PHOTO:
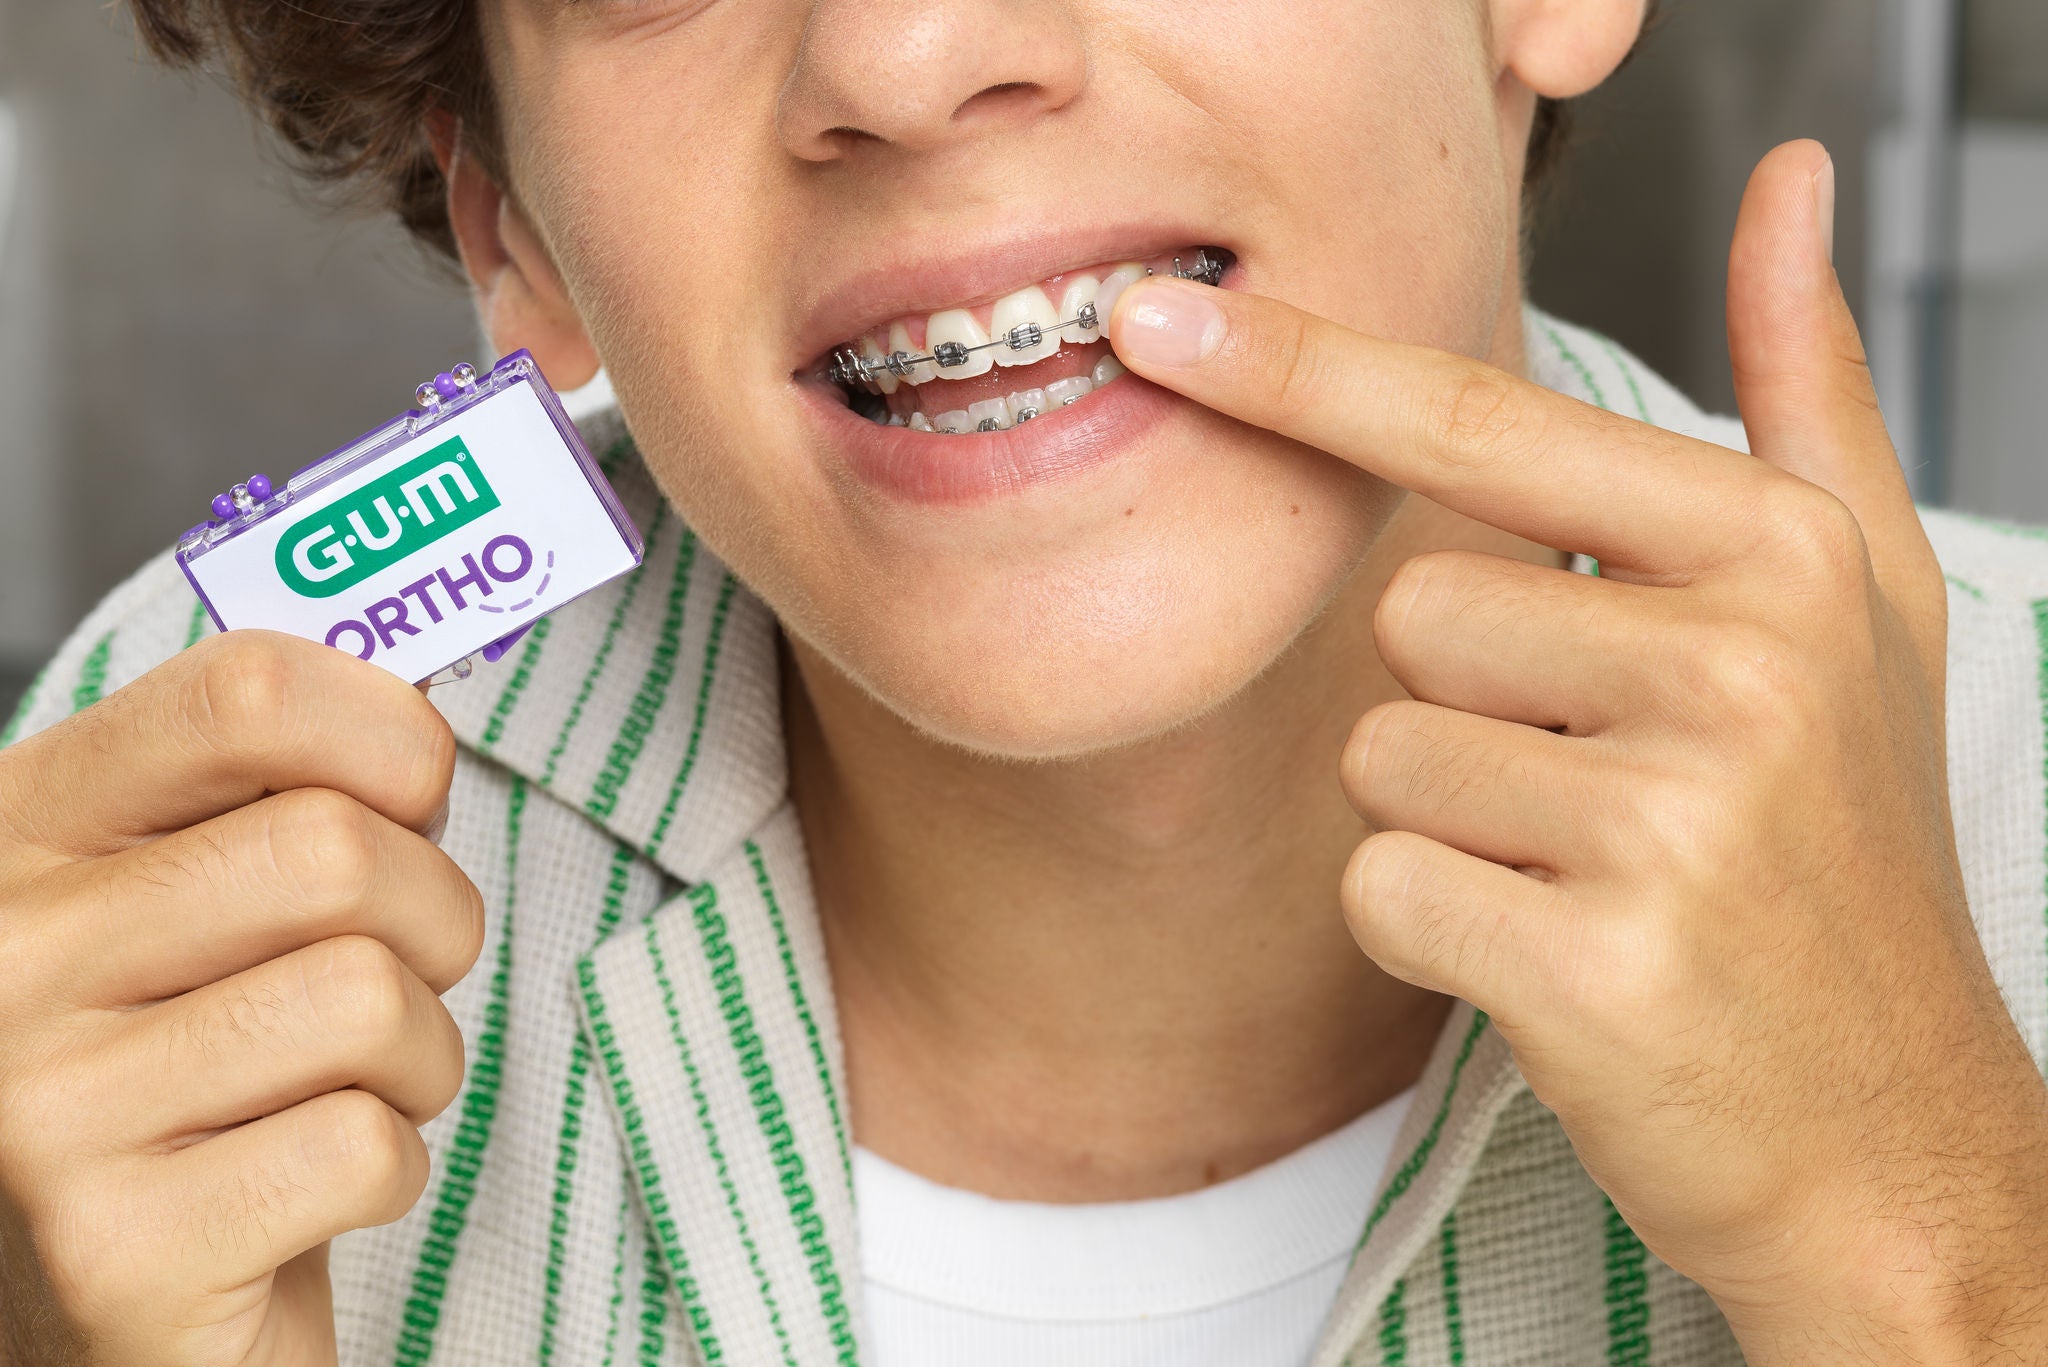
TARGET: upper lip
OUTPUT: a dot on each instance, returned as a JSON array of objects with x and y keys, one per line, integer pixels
[{"x": 897, "y": 280}]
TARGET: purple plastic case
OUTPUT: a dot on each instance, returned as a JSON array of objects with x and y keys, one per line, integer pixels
[{"x": 442, "y": 399}]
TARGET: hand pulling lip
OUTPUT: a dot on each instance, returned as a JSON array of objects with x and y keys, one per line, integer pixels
[{"x": 970, "y": 271}]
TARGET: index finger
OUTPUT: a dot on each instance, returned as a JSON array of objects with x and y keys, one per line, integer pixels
[
  {"x": 216, "y": 727},
  {"x": 1463, "y": 433}
]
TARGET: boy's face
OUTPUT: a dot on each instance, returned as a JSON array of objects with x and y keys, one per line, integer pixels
[{"x": 731, "y": 189}]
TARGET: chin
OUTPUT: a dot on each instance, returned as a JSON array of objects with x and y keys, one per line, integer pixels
[{"x": 1063, "y": 648}]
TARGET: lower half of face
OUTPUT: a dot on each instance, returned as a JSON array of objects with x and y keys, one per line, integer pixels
[{"x": 977, "y": 518}]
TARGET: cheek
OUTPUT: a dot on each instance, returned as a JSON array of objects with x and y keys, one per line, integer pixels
[{"x": 1366, "y": 136}]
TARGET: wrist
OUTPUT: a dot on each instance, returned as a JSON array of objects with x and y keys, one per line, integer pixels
[{"x": 1947, "y": 1291}]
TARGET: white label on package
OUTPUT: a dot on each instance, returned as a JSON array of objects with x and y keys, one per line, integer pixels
[{"x": 470, "y": 531}]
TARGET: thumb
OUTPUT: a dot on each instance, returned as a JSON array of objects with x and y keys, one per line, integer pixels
[{"x": 1803, "y": 382}]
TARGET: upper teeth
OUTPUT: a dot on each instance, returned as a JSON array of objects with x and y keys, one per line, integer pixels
[
  {"x": 1023, "y": 327},
  {"x": 1028, "y": 317}
]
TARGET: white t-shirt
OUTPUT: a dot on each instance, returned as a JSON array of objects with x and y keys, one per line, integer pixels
[{"x": 1241, "y": 1273}]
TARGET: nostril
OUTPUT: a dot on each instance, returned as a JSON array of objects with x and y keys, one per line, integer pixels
[{"x": 999, "y": 101}]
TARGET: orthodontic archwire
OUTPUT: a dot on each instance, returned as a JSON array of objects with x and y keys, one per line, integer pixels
[{"x": 849, "y": 367}]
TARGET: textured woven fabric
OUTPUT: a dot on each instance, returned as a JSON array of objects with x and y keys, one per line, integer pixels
[{"x": 648, "y": 1161}]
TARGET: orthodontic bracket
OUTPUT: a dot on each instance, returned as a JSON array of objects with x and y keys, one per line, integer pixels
[{"x": 849, "y": 367}]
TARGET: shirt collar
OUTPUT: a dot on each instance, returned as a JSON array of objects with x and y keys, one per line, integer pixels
[{"x": 651, "y": 703}]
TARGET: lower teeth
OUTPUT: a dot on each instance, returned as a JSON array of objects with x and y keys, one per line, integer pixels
[{"x": 996, "y": 415}]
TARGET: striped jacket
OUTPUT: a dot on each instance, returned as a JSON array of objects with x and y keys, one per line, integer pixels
[{"x": 648, "y": 1160}]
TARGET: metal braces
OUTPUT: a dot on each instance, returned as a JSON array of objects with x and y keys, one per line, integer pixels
[{"x": 849, "y": 367}]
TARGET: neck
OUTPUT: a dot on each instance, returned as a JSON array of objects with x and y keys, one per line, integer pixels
[{"x": 1123, "y": 976}]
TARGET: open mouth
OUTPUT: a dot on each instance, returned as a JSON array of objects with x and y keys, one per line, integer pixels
[{"x": 987, "y": 367}]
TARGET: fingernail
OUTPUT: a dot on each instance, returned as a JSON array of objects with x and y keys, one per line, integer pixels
[
  {"x": 438, "y": 827},
  {"x": 1824, "y": 206},
  {"x": 1169, "y": 323}
]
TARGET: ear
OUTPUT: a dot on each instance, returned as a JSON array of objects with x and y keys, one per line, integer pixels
[
  {"x": 1563, "y": 48},
  {"x": 520, "y": 297}
]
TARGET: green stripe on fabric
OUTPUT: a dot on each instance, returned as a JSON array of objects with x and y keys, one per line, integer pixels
[
  {"x": 1628, "y": 1306},
  {"x": 611, "y": 1321},
  {"x": 1412, "y": 1166},
  {"x": 704, "y": 680},
  {"x": 653, "y": 1308},
  {"x": 1628, "y": 374},
  {"x": 711, "y": 1144},
  {"x": 1447, "y": 1254},
  {"x": 654, "y": 686},
  {"x": 92, "y": 675},
  {"x": 23, "y": 708},
  {"x": 515, "y": 687},
  {"x": 197, "y": 627},
  {"x": 772, "y": 1115},
  {"x": 1968, "y": 588},
  {"x": 794, "y": 981},
  {"x": 1394, "y": 1326},
  {"x": 614, "y": 456},
  {"x": 663, "y": 1231},
  {"x": 627, "y": 594},
  {"x": 1572, "y": 358},
  {"x": 569, "y": 1137},
  {"x": 463, "y": 1163}
]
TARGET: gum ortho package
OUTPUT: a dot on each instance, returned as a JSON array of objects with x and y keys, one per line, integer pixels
[{"x": 450, "y": 529}]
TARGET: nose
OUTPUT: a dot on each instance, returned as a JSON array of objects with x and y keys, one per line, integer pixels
[{"x": 920, "y": 74}]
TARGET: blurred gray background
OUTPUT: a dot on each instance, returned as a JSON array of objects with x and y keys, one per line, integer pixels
[{"x": 174, "y": 314}]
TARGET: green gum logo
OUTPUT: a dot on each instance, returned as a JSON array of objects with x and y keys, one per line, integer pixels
[{"x": 397, "y": 515}]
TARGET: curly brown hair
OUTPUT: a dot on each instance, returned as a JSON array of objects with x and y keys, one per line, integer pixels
[{"x": 350, "y": 87}]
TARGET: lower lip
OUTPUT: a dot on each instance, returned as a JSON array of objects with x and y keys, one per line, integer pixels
[{"x": 973, "y": 467}]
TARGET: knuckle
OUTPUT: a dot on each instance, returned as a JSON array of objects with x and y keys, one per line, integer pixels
[
  {"x": 1475, "y": 421},
  {"x": 363, "y": 1144},
  {"x": 1746, "y": 669},
  {"x": 323, "y": 847},
  {"x": 1815, "y": 534},
  {"x": 356, "y": 988},
  {"x": 1678, "y": 823},
  {"x": 243, "y": 692},
  {"x": 448, "y": 1050},
  {"x": 422, "y": 769}
]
